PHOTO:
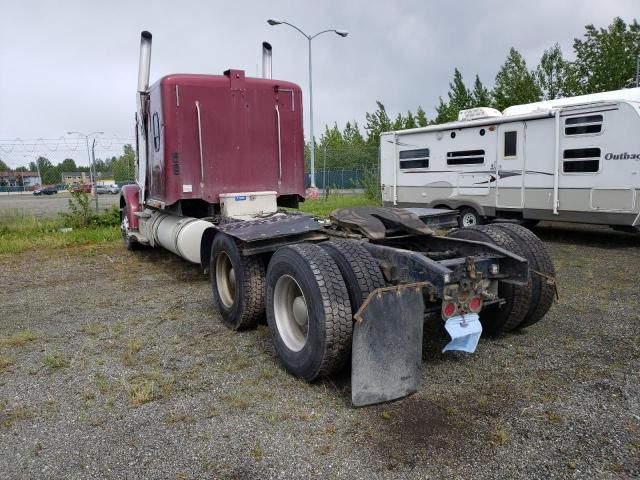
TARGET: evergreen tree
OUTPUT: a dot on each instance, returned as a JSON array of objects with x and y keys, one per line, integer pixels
[
  {"x": 481, "y": 97},
  {"x": 410, "y": 120},
  {"x": 460, "y": 98},
  {"x": 606, "y": 58},
  {"x": 377, "y": 122},
  {"x": 515, "y": 85},
  {"x": 421, "y": 117},
  {"x": 398, "y": 123},
  {"x": 4, "y": 167}
]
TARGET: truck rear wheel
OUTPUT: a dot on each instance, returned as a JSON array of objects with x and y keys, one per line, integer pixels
[
  {"x": 543, "y": 275},
  {"x": 496, "y": 318},
  {"x": 359, "y": 269},
  {"x": 238, "y": 284},
  {"x": 308, "y": 311}
]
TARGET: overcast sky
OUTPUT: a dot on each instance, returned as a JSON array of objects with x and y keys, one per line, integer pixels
[{"x": 72, "y": 65}]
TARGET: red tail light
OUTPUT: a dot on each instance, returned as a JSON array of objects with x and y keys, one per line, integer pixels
[
  {"x": 475, "y": 304},
  {"x": 449, "y": 309}
]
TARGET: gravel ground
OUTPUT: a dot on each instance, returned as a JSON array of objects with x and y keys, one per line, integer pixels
[
  {"x": 114, "y": 365},
  {"x": 48, "y": 205}
]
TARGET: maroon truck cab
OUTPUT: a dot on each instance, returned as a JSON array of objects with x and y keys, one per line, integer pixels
[{"x": 213, "y": 134}]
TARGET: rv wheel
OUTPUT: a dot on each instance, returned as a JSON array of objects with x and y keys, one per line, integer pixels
[
  {"x": 469, "y": 217},
  {"x": 497, "y": 318},
  {"x": 308, "y": 311},
  {"x": 238, "y": 284}
]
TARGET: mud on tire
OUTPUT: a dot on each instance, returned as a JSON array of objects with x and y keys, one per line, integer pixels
[{"x": 303, "y": 279}]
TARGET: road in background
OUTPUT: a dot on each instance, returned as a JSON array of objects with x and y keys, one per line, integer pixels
[{"x": 48, "y": 205}]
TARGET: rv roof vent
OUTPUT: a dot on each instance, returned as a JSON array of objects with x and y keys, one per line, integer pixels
[{"x": 477, "y": 113}]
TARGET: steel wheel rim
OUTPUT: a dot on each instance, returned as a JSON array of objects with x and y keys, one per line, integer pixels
[
  {"x": 468, "y": 219},
  {"x": 225, "y": 279},
  {"x": 124, "y": 225},
  {"x": 291, "y": 313}
]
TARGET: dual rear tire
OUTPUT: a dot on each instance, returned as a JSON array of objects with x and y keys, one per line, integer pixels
[
  {"x": 524, "y": 305},
  {"x": 310, "y": 292}
]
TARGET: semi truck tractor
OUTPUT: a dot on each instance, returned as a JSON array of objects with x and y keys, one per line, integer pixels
[{"x": 219, "y": 174}]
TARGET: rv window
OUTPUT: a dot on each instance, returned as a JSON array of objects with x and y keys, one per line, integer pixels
[
  {"x": 418, "y": 158},
  {"x": 156, "y": 132},
  {"x": 581, "y": 160},
  {"x": 510, "y": 144},
  {"x": 465, "y": 157},
  {"x": 583, "y": 125}
]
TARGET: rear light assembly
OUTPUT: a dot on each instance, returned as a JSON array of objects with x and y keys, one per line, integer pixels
[
  {"x": 449, "y": 309},
  {"x": 475, "y": 304}
]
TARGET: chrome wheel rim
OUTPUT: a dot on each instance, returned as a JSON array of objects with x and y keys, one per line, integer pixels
[
  {"x": 225, "y": 279},
  {"x": 291, "y": 313}
]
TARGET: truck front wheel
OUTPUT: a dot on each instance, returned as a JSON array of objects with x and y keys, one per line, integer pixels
[
  {"x": 308, "y": 311},
  {"x": 237, "y": 283}
]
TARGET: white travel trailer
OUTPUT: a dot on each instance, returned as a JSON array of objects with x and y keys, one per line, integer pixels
[{"x": 574, "y": 159}]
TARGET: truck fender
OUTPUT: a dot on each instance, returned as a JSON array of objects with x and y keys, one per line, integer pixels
[
  {"x": 205, "y": 247},
  {"x": 130, "y": 204}
]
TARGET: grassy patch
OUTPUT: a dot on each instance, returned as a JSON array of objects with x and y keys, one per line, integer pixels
[
  {"x": 17, "y": 339},
  {"x": 6, "y": 363},
  {"x": 20, "y": 233},
  {"x": 144, "y": 388},
  {"x": 55, "y": 360},
  {"x": 323, "y": 207}
]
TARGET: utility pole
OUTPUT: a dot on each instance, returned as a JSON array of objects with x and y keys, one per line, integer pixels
[{"x": 95, "y": 173}]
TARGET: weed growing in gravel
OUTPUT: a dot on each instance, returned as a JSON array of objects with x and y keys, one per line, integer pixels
[
  {"x": 134, "y": 345},
  {"x": 92, "y": 329},
  {"x": 102, "y": 383},
  {"x": 239, "y": 401},
  {"x": 9, "y": 415},
  {"x": 256, "y": 453},
  {"x": 6, "y": 363},
  {"x": 148, "y": 386},
  {"x": 55, "y": 360},
  {"x": 140, "y": 392},
  {"x": 17, "y": 339},
  {"x": 500, "y": 436}
]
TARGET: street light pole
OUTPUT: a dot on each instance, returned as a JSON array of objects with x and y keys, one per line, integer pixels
[{"x": 342, "y": 33}]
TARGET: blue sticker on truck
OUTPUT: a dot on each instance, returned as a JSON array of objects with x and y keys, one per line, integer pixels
[{"x": 239, "y": 198}]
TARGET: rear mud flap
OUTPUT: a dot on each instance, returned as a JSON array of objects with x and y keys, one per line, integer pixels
[{"x": 387, "y": 345}]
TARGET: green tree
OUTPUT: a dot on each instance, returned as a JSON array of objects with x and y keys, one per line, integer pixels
[
  {"x": 352, "y": 135},
  {"x": 410, "y": 120},
  {"x": 21, "y": 169},
  {"x": 480, "y": 95},
  {"x": 124, "y": 165},
  {"x": 4, "y": 167},
  {"x": 67, "y": 165},
  {"x": 555, "y": 76},
  {"x": 421, "y": 117},
  {"x": 460, "y": 98},
  {"x": 377, "y": 122},
  {"x": 50, "y": 174},
  {"x": 606, "y": 58},
  {"x": 515, "y": 85}
]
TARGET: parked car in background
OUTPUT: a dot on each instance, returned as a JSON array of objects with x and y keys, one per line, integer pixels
[
  {"x": 114, "y": 189},
  {"x": 45, "y": 191}
]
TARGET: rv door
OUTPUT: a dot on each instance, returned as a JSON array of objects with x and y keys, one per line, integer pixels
[{"x": 510, "y": 165}]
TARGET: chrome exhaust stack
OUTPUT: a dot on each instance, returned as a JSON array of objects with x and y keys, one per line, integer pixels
[
  {"x": 144, "y": 66},
  {"x": 267, "y": 51},
  {"x": 142, "y": 99}
]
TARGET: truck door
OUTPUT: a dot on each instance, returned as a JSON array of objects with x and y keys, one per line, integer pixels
[{"x": 510, "y": 165}]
